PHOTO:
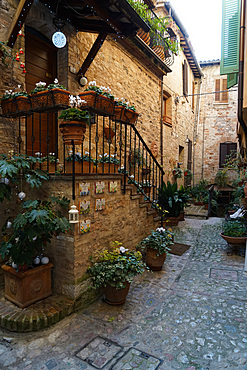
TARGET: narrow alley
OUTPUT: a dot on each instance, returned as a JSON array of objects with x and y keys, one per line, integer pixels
[{"x": 191, "y": 315}]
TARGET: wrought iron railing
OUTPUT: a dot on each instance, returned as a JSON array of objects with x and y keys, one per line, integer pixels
[{"x": 108, "y": 146}]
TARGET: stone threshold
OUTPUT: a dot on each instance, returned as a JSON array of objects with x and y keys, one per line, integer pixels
[{"x": 39, "y": 315}]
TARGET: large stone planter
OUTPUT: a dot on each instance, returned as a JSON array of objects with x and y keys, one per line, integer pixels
[{"x": 24, "y": 288}]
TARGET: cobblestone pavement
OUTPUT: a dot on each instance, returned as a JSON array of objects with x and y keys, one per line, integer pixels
[{"x": 191, "y": 315}]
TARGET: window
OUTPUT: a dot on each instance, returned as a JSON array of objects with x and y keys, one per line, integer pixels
[
  {"x": 225, "y": 150},
  {"x": 221, "y": 85},
  {"x": 167, "y": 109},
  {"x": 185, "y": 78}
]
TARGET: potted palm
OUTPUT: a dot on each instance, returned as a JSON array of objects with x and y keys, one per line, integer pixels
[
  {"x": 113, "y": 270},
  {"x": 28, "y": 271},
  {"x": 157, "y": 245}
]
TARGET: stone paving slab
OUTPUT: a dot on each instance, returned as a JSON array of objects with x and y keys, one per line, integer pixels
[{"x": 192, "y": 315}]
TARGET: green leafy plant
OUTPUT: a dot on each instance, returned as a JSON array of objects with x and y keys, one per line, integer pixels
[
  {"x": 74, "y": 114},
  {"x": 169, "y": 199},
  {"x": 136, "y": 158},
  {"x": 115, "y": 266},
  {"x": 40, "y": 86},
  {"x": 160, "y": 240},
  {"x": 221, "y": 178},
  {"x": 123, "y": 103},
  {"x": 56, "y": 85},
  {"x": 200, "y": 190},
  {"x": 14, "y": 167},
  {"x": 188, "y": 174},
  {"x": 177, "y": 172},
  {"x": 31, "y": 230},
  {"x": 80, "y": 158},
  {"x": 10, "y": 94},
  {"x": 109, "y": 159},
  {"x": 235, "y": 227},
  {"x": 102, "y": 90}
]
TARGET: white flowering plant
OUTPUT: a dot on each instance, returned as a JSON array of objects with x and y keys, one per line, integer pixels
[
  {"x": 115, "y": 266},
  {"x": 80, "y": 158},
  {"x": 102, "y": 90},
  {"x": 122, "y": 102},
  {"x": 106, "y": 158},
  {"x": 40, "y": 86},
  {"x": 56, "y": 85},
  {"x": 27, "y": 235},
  {"x": 12, "y": 94},
  {"x": 161, "y": 239}
]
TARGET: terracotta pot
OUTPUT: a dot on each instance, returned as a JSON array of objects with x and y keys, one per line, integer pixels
[
  {"x": 28, "y": 287},
  {"x": 48, "y": 99},
  {"x": 171, "y": 221},
  {"x": 78, "y": 167},
  {"x": 129, "y": 116},
  {"x": 154, "y": 261},
  {"x": 109, "y": 133},
  {"x": 113, "y": 168},
  {"x": 116, "y": 297},
  {"x": 118, "y": 112},
  {"x": 98, "y": 102},
  {"x": 198, "y": 203},
  {"x": 159, "y": 50},
  {"x": 144, "y": 36},
  {"x": 72, "y": 130},
  {"x": 44, "y": 167},
  {"x": 20, "y": 105},
  {"x": 234, "y": 240}
]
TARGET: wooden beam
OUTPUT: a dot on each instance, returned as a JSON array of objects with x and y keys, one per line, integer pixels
[
  {"x": 19, "y": 19},
  {"x": 92, "y": 53}
]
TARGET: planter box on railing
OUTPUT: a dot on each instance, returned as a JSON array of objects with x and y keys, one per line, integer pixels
[
  {"x": 125, "y": 115},
  {"x": 16, "y": 107},
  {"x": 79, "y": 169},
  {"x": 113, "y": 168},
  {"x": 49, "y": 99},
  {"x": 99, "y": 103}
]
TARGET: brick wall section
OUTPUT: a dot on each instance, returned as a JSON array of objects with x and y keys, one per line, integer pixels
[{"x": 218, "y": 122}]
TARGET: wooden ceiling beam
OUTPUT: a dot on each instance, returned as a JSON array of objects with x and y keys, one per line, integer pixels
[
  {"x": 18, "y": 20},
  {"x": 92, "y": 53}
]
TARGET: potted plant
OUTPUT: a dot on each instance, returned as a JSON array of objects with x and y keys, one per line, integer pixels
[
  {"x": 43, "y": 98},
  {"x": 235, "y": 231},
  {"x": 188, "y": 174},
  {"x": 184, "y": 195},
  {"x": 169, "y": 200},
  {"x": 83, "y": 163},
  {"x": 74, "y": 124},
  {"x": 124, "y": 111},
  {"x": 114, "y": 270},
  {"x": 108, "y": 163},
  {"x": 15, "y": 103},
  {"x": 177, "y": 173},
  {"x": 221, "y": 178},
  {"x": 28, "y": 271},
  {"x": 98, "y": 98},
  {"x": 50, "y": 163},
  {"x": 157, "y": 246}
]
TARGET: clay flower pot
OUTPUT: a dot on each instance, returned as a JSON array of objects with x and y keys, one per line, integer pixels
[
  {"x": 72, "y": 130},
  {"x": 114, "y": 296},
  {"x": 234, "y": 240},
  {"x": 153, "y": 260}
]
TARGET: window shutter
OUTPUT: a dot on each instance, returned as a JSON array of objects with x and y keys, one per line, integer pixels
[
  {"x": 217, "y": 88},
  {"x": 185, "y": 78},
  {"x": 225, "y": 150},
  {"x": 230, "y": 37},
  {"x": 193, "y": 98},
  {"x": 224, "y": 95},
  {"x": 232, "y": 80}
]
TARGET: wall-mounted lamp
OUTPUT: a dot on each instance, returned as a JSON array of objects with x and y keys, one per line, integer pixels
[
  {"x": 82, "y": 81},
  {"x": 59, "y": 38},
  {"x": 187, "y": 140}
]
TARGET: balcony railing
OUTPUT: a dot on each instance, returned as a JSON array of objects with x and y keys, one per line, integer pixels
[{"x": 108, "y": 147}]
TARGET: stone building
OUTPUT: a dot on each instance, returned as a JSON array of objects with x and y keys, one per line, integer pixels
[
  {"x": 102, "y": 45},
  {"x": 216, "y": 134}
]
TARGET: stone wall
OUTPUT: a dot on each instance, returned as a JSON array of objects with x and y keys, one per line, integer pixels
[{"x": 218, "y": 122}]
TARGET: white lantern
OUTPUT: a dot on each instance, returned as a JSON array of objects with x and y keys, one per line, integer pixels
[{"x": 73, "y": 215}]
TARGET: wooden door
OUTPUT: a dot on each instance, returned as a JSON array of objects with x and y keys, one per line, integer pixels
[{"x": 41, "y": 65}]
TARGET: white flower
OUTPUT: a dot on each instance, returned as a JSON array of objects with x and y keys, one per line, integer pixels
[
  {"x": 105, "y": 155},
  {"x": 160, "y": 229},
  {"x": 83, "y": 102},
  {"x": 40, "y": 84},
  {"x": 34, "y": 238},
  {"x": 8, "y": 226},
  {"x": 6, "y": 181},
  {"x": 113, "y": 155},
  {"x": 56, "y": 81},
  {"x": 38, "y": 154},
  {"x": 123, "y": 250},
  {"x": 19, "y": 86},
  {"x": 100, "y": 156},
  {"x": 21, "y": 195},
  {"x": 86, "y": 153},
  {"x": 132, "y": 176},
  {"x": 92, "y": 83},
  {"x": 17, "y": 239}
]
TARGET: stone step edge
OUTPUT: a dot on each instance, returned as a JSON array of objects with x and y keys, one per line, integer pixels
[{"x": 26, "y": 320}]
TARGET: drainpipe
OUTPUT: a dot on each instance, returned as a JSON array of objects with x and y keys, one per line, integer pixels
[
  {"x": 197, "y": 118},
  {"x": 241, "y": 69},
  {"x": 161, "y": 120}
]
